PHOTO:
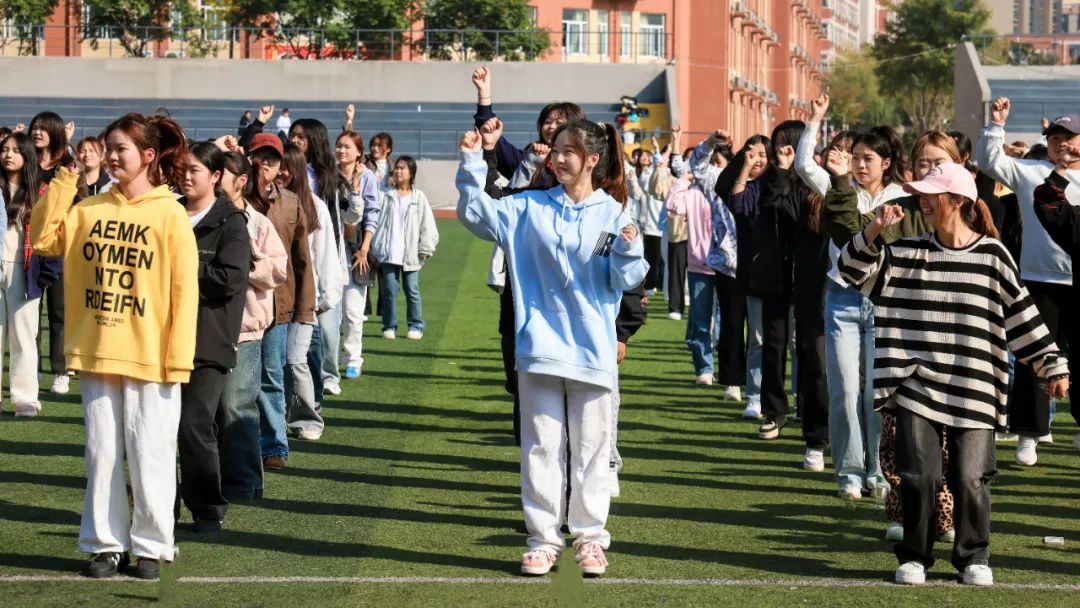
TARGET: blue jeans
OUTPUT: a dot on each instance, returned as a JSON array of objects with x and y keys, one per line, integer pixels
[
  {"x": 275, "y": 441},
  {"x": 699, "y": 323},
  {"x": 394, "y": 278},
  {"x": 854, "y": 426},
  {"x": 239, "y": 448},
  {"x": 329, "y": 333},
  {"x": 315, "y": 359},
  {"x": 754, "y": 338}
]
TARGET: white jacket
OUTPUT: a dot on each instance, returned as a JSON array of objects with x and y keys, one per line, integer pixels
[
  {"x": 421, "y": 234},
  {"x": 1041, "y": 260},
  {"x": 329, "y": 264}
]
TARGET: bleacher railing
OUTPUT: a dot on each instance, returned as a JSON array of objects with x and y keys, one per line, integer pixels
[{"x": 644, "y": 45}]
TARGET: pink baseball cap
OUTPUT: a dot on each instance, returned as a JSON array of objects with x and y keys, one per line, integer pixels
[{"x": 948, "y": 177}]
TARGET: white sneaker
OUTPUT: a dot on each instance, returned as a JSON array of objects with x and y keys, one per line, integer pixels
[
  {"x": 1047, "y": 438},
  {"x": 851, "y": 494},
  {"x": 332, "y": 387},
  {"x": 61, "y": 384},
  {"x": 1025, "y": 451},
  {"x": 389, "y": 334},
  {"x": 911, "y": 573},
  {"x": 895, "y": 532},
  {"x": 674, "y": 316},
  {"x": 733, "y": 393},
  {"x": 947, "y": 536},
  {"x": 27, "y": 410},
  {"x": 704, "y": 380},
  {"x": 814, "y": 460},
  {"x": 977, "y": 574},
  {"x": 752, "y": 411},
  {"x": 310, "y": 435},
  {"x": 414, "y": 334}
]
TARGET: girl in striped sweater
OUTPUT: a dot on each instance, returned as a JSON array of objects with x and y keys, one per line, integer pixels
[{"x": 948, "y": 307}]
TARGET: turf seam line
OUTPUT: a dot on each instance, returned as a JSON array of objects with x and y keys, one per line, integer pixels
[{"x": 672, "y": 582}]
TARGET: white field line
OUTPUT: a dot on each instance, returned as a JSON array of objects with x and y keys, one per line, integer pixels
[{"x": 434, "y": 580}]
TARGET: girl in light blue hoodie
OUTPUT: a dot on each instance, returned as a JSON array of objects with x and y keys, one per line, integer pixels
[{"x": 571, "y": 251}]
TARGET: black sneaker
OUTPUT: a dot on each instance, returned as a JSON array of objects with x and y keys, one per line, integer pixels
[
  {"x": 147, "y": 568},
  {"x": 208, "y": 524},
  {"x": 105, "y": 565},
  {"x": 770, "y": 429}
]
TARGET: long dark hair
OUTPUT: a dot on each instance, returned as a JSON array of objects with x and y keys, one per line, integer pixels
[
  {"x": 22, "y": 202},
  {"x": 899, "y": 160},
  {"x": 320, "y": 155},
  {"x": 388, "y": 141},
  {"x": 787, "y": 133},
  {"x": 158, "y": 133},
  {"x": 726, "y": 181},
  {"x": 211, "y": 157},
  {"x": 295, "y": 163},
  {"x": 963, "y": 144},
  {"x": 602, "y": 139},
  {"x": 879, "y": 143},
  {"x": 51, "y": 123},
  {"x": 841, "y": 141},
  {"x": 570, "y": 111}
]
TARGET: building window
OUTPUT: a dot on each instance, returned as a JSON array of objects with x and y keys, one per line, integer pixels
[
  {"x": 653, "y": 36},
  {"x": 602, "y": 31},
  {"x": 625, "y": 34},
  {"x": 532, "y": 15},
  {"x": 575, "y": 27},
  {"x": 213, "y": 14}
]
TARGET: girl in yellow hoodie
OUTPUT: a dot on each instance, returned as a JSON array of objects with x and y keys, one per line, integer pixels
[{"x": 131, "y": 291}]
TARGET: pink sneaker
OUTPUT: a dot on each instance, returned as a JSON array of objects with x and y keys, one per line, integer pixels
[
  {"x": 27, "y": 410},
  {"x": 537, "y": 562},
  {"x": 590, "y": 556}
]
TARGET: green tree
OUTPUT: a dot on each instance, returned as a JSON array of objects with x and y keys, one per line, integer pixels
[
  {"x": 915, "y": 55},
  {"x": 854, "y": 91},
  {"x": 139, "y": 24},
  {"x": 27, "y": 15},
  {"x": 472, "y": 25}
]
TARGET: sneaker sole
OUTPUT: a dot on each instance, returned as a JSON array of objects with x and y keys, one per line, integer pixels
[
  {"x": 535, "y": 571},
  {"x": 594, "y": 571},
  {"x": 912, "y": 580},
  {"x": 978, "y": 582},
  {"x": 773, "y": 434},
  {"x": 814, "y": 468},
  {"x": 751, "y": 415}
]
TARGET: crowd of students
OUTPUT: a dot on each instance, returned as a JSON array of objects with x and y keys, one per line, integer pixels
[
  {"x": 921, "y": 295},
  {"x": 210, "y": 288},
  {"x": 206, "y": 287}
]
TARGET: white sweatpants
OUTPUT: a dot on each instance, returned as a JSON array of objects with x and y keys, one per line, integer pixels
[
  {"x": 553, "y": 408},
  {"x": 138, "y": 419},
  {"x": 355, "y": 300},
  {"x": 19, "y": 320}
]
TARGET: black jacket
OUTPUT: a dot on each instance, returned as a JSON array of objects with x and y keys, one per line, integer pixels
[
  {"x": 791, "y": 200},
  {"x": 224, "y": 265}
]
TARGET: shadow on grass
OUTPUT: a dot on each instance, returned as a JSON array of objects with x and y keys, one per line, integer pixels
[
  {"x": 399, "y": 481},
  {"x": 395, "y": 456},
  {"x": 412, "y": 409},
  {"x": 43, "y": 479},
  {"x": 42, "y": 562},
  {"x": 41, "y": 448},
  {"x": 308, "y": 507}
]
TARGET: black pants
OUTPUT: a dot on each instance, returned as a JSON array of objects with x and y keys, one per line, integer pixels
[
  {"x": 200, "y": 468},
  {"x": 508, "y": 343},
  {"x": 1029, "y": 405},
  {"x": 775, "y": 312},
  {"x": 972, "y": 466},
  {"x": 813, "y": 394},
  {"x": 731, "y": 350},
  {"x": 654, "y": 256},
  {"x": 676, "y": 279},
  {"x": 54, "y": 300}
]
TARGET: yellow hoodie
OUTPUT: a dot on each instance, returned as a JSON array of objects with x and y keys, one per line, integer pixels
[{"x": 131, "y": 285}]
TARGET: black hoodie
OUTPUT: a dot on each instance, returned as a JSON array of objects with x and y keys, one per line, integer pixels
[{"x": 224, "y": 265}]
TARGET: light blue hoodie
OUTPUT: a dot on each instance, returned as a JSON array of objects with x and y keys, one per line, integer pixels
[{"x": 567, "y": 284}]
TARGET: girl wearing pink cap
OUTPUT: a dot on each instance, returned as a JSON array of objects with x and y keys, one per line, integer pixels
[{"x": 948, "y": 307}]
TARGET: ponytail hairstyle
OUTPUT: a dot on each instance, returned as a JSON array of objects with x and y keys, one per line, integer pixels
[
  {"x": 51, "y": 123},
  {"x": 211, "y": 157},
  {"x": 295, "y": 163},
  {"x": 976, "y": 215},
  {"x": 387, "y": 142},
  {"x": 898, "y": 162},
  {"x": 21, "y": 204},
  {"x": 238, "y": 165},
  {"x": 160, "y": 134},
  {"x": 881, "y": 146},
  {"x": 842, "y": 141},
  {"x": 602, "y": 139},
  {"x": 358, "y": 141},
  {"x": 963, "y": 145}
]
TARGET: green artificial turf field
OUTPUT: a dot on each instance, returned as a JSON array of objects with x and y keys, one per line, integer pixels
[{"x": 416, "y": 478}]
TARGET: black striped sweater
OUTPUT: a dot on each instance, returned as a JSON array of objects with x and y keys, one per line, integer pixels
[{"x": 944, "y": 323}]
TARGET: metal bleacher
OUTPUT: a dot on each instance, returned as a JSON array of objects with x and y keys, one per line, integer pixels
[
  {"x": 424, "y": 130},
  {"x": 1033, "y": 99}
]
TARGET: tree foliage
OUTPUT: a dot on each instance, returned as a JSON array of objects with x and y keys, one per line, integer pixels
[
  {"x": 916, "y": 54},
  {"x": 137, "y": 25},
  {"x": 26, "y": 14},
  {"x": 465, "y": 22},
  {"x": 854, "y": 91}
]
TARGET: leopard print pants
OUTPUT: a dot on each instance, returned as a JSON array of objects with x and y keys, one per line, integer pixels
[{"x": 887, "y": 453}]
